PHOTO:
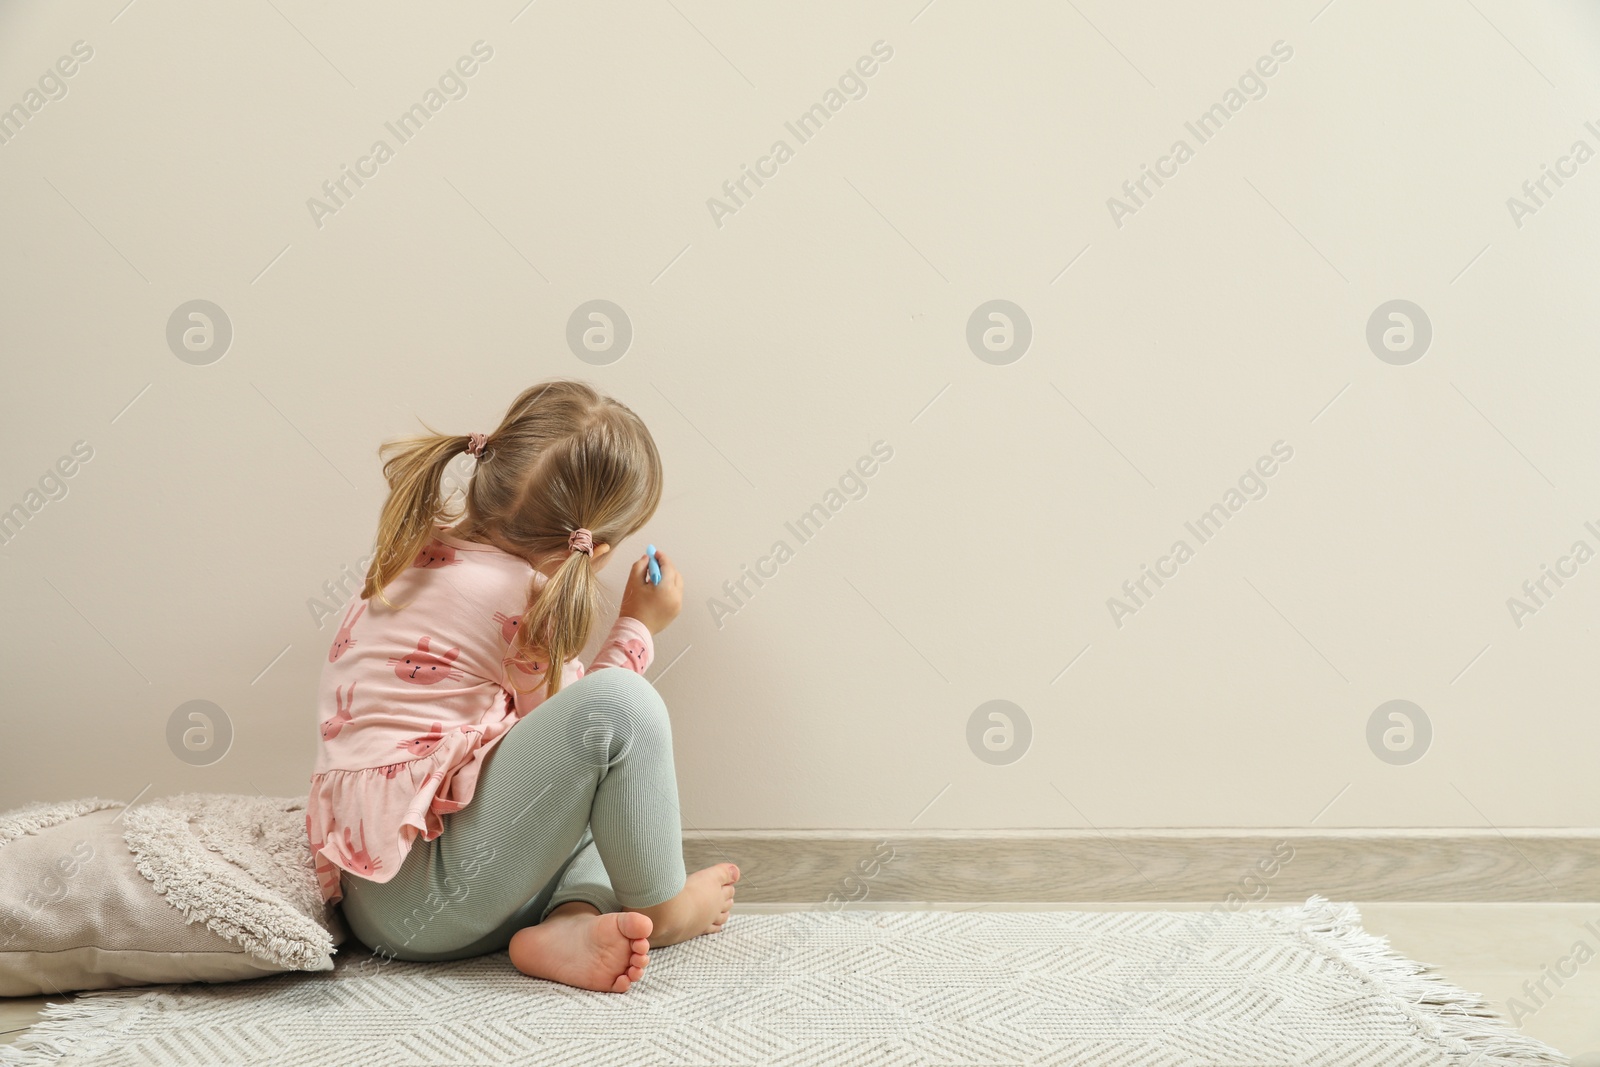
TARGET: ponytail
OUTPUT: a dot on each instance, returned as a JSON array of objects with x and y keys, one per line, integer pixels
[
  {"x": 565, "y": 458},
  {"x": 414, "y": 468},
  {"x": 561, "y": 613}
]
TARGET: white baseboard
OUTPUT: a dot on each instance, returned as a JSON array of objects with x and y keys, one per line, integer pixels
[{"x": 1222, "y": 866}]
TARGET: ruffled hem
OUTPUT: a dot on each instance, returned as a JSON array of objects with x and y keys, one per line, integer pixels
[{"x": 365, "y": 820}]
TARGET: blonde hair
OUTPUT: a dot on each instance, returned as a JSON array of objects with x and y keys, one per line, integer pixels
[{"x": 565, "y": 457}]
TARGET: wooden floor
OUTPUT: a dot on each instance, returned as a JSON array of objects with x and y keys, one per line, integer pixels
[{"x": 1491, "y": 949}]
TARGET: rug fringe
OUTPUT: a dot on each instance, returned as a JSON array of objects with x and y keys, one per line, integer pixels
[
  {"x": 61, "y": 1030},
  {"x": 1461, "y": 1022},
  {"x": 1464, "y": 1023}
]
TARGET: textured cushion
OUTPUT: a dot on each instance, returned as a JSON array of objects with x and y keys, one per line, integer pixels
[{"x": 211, "y": 887}]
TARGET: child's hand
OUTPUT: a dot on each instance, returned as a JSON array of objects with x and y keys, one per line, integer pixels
[{"x": 653, "y": 605}]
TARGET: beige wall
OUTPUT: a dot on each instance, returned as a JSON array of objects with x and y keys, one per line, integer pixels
[{"x": 775, "y": 344}]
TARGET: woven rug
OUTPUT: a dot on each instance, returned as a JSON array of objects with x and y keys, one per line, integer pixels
[{"x": 1301, "y": 985}]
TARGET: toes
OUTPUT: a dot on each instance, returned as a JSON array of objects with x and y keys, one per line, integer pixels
[
  {"x": 641, "y": 945},
  {"x": 730, "y": 872},
  {"x": 639, "y": 960},
  {"x": 633, "y": 925},
  {"x": 621, "y": 984},
  {"x": 635, "y": 973}
]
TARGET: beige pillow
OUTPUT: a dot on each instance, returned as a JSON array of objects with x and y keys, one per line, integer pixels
[{"x": 209, "y": 887}]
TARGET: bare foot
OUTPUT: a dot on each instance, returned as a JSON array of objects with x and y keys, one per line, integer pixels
[
  {"x": 578, "y": 946},
  {"x": 701, "y": 907}
]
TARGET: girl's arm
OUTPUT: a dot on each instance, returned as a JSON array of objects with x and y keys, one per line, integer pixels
[
  {"x": 630, "y": 644},
  {"x": 647, "y": 608}
]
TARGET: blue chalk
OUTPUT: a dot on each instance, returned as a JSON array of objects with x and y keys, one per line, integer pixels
[{"x": 653, "y": 575}]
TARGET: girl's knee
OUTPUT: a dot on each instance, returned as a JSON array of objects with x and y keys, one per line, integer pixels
[
  {"x": 627, "y": 690},
  {"x": 622, "y": 711}
]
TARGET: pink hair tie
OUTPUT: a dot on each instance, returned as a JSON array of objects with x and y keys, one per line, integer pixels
[
  {"x": 475, "y": 443},
  {"x": 581, "y": 540}
]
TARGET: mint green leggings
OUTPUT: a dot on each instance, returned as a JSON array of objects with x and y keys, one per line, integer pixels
[{"x": 578, "y": 802}]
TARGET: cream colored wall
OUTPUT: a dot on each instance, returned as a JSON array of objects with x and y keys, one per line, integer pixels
[{"x": 775, "y": 345}]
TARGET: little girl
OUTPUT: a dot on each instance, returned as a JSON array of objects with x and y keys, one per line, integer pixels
[{"x": 476, "y": 789}]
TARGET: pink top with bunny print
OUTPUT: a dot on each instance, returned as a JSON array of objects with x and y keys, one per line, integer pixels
[{"x": 413, "y": 698}]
